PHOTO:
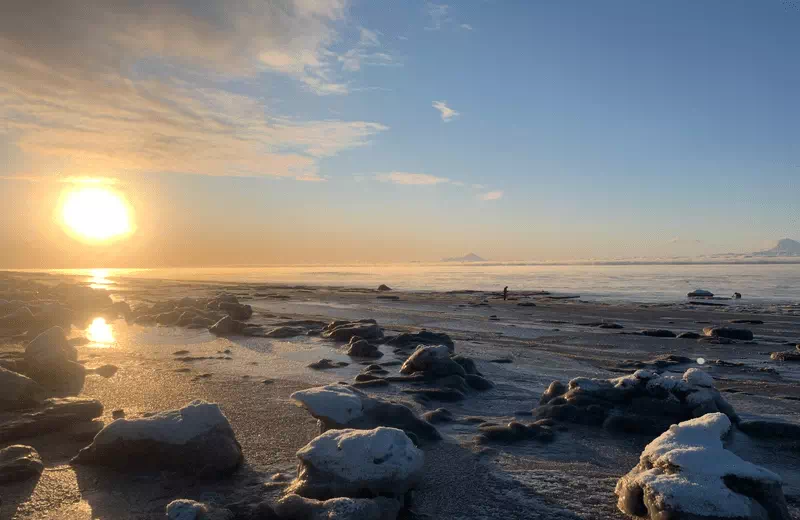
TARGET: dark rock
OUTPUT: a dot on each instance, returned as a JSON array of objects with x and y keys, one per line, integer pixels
[
  {"x": 51, "y": 361},
  {"x": 362, "y": 348},
  {"x": 700, "y": 293},
  {"x": 787, "y": 355},
  {"x": 689, "y": 335},
  {"x": 54, "y": 415},
  {"x": 18, "y": 463},
  {"x": 433, "y": 361},
  {"x": 501, "y": 360},
  {"x": 383, "y": 287},
  {"x": 729, "y": 333},
  {"x": 18, "y": 391},
  {"x": 342, "y": 330},
  {"x": 556, "y": 389},
  {"x": 367, "y": 377},
  {"x": 526, "y": 304},
  {"x": 660, "y": 362},
  {"x": 237, "y": 311},
  {"x": 478, "y": 383},
  {"x": 423, "y": 337},
  {"x": 747, "y": 321},
  {"x": 515, "y": 431},
  {"x": 180, "y": 352},
  {"x": 766, "y": 429},
  {"x": 658, "y": 333},
  {"x": 325, "y": 364},
  {"x": 197, "y": 440},
  {"x": 118, "y": 414},
  {"x": 342, "y": 406},
  {"x": 439, "y": 415},
  {"x": 105, "y": 370},
  {"x": 467, "y": 364}
]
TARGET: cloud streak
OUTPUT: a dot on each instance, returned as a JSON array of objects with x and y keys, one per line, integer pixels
[
  {"x": 447, "y": 114},
  {"x": 411, "y": 179},
  {"x": 492, "y": 195}
]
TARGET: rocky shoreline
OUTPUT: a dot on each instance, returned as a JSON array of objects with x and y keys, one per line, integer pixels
[{"x": 217, "y": 402}]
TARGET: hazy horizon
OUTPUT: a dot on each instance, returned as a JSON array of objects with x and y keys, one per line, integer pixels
[{"x": 331, "y": 131}]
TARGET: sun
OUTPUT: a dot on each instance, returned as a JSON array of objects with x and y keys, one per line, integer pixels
[{"x": 96, "y": 213}]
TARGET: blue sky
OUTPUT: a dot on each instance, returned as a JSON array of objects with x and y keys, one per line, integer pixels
[{"x": 309, "y": 131}]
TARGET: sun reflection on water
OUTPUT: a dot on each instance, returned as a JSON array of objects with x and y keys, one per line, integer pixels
[
  {"x": 99, "y": 279},
  {"x": 100, "y": 332}
]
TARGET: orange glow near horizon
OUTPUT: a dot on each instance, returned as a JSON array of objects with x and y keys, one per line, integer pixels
[{"x": 96, "y": 213}]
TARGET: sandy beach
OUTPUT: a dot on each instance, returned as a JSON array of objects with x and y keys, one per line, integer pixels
[{"x": 521, "y": 345}]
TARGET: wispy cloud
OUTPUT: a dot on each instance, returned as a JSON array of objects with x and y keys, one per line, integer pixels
[
  {"x": 437, "y": 14},
  {"x": 123, "y": 88},
  {"x": 411, "y": 179},
  {"x": 365, "y": 53},
  {"x": 466, "y": 26},
  {"x": 492, "y": 195},
  {"x": 445, "y": 111}
]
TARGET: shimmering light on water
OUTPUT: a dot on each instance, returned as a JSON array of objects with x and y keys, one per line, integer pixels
[
  {"x": 99, "y": 279},
  {"x": 100, "y": 333}
]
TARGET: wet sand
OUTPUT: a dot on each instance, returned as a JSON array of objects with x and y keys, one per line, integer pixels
[{"x": 572, "y": 477}]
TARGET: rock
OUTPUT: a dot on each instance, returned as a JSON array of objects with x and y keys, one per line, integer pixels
[
  {"x": 515, "y": 432},
  {"x": 18, "y": 391},
  {"x": 689, "y": 335},
  {"x": 53, "y": 415},
  {"x": 478, "y": 383},
  {"x": 747, "y": 321},
  {"x": 770, "y": 429},
  {"x": 358, "y": 463},
  {"x": 105, "y": 370},
  {"x": 83, "y": 431},
  {"x": 439, "y": 415},
  {"x": 342, "y": 406},
  {"x": 787, "y": 355},
  {"x": 183, "y": 509},
  {"x": 285, "y": 332},
  {"x": 197, "y": 440},
  {"x": 438, "y": 394},
  {"x": 658, "y": 333},
  {"x": 223, "y": 327},
  {"x": 383, "y": 287},
  {"x": 118, "y": 414},
  {"x": 687, "y": 473},
  {"x": 659, "y": 362},
  {"x": 51, "y": 361},
  {"x": 341, "y": 330},
  {"x": 18, "y": 463},
  {"x": 644, "y": 402},
  {"x": 433, "y": 361},
  {"x": 423, "y": 337},
  {"x": 501, "y": 360},
  {"x": 467, "y": 364},
  {"x": 20, "y": 319},
  {"x": 556, "y": 389},
  {"x": 362, "y": 348},
  {"x": 295, "y": 507},
  {"x": 373, "y": 383},
  {"x": 326, "y": 364},
  {"x": 700, "y": 293},
  {"x": 729, "y": 333},
  {"x": 237, "y": 311},
  {"x": 526, "y": 304}
]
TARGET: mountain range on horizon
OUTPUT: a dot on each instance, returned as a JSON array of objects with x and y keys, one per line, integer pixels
[
  {"x": 469, "y": 257},
  {"x": 784, "y": 247}
]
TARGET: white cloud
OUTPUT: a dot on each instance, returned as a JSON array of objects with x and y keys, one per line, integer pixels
[
  {"x": 126, "y": 87},
  {"x": 492, "y": 195},
  {"x": 445, "y": 111},
  {"x": 409, "y": 179},
  {"x": 466, "y": 26},
  {"x": 437, "y": 14}
]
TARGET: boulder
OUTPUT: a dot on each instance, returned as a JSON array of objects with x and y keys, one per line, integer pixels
[
  {"x": 689, "y": 335},
  {"x": 342, "y": 406},
  {"x": 384, "y": 287},
  {"x": 728, "y": 332},
  {"x": 657, "y": 333},
  {"x": 51, "y": 361},
  {"x": 183, "y": 509},
  {"x": 325, "y": 364},
  {"x": 433, "y": 361},
  {"x": 18, "y": 391},
  {"x": 227, "y": 326},
  {"x": 515, "y": 432},
  {"x": 358, "y": 463},
  {"x": 362, "y": 348},
  {"x": 342, "y": 330},
  {"x": 295, "y": 507},
  {"x": 478, "y": 383},
  {"x": 20, "y": 319},
  {"x": 687, "y": 473},
  {"x": 786, "y": 355},
  {"x": 53, "y": 415},
  {"x": 643, "y": 402},
  {"x": 423, "y": 337},
  {"x": 700, "y": 293},
  {"x": 197, "y": 440},
  {"x": 440, "y": 415},
  {"x": 19, "y": 463},
  {"x": 237, "y": 311}
]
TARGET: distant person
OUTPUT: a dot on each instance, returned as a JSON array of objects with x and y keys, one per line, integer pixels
[
  {"x": 505, "y": 292},
  {"x": 737, "y": 295}
]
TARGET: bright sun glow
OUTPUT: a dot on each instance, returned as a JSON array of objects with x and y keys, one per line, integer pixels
[
  {"x": 96, "y": 213},
  {"x": 100, "y": 332}
]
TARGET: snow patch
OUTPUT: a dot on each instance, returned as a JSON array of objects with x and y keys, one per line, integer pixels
[{"x": 337, "y": 402}]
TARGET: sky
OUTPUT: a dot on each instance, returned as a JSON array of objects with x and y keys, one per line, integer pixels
[{"x": 332, "y": 131}]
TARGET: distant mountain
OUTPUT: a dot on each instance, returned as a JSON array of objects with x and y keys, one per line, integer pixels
[
  {"x": 784, "y": 247},
  {"x": 471, "y": 257}
]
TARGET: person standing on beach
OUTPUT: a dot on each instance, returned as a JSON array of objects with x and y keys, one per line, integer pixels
[{"x": 505, "y": 292}]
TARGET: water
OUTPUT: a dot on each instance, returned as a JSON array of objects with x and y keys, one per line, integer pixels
[{"x": 776, "y": 283}]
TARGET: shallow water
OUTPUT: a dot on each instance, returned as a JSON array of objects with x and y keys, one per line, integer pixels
[{"x": 777, "y": 283}]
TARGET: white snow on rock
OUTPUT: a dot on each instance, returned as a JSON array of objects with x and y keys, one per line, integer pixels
[
  {"x": 338, "y": 402},
  {"x": 697, "y": 377},
  {"x": 170, "y": 427},
  {"x": 183, "y": 509},
  {"x": 683, "y": 471},
  {"x": 349, "y": 462}
]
